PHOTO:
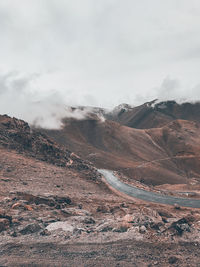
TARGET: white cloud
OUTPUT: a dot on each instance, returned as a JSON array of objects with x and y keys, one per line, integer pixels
[{"x": 99, "y": 52}]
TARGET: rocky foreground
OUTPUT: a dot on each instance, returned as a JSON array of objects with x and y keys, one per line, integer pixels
[
  {"x": 56, "y": 230},
  {"x": 55, "y": 210}
]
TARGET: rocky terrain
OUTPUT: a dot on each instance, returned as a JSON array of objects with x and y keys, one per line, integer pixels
[{"x": 56, "y": 210}]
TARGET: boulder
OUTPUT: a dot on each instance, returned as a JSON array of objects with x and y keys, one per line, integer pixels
[
  {"x": 172, "y": 259},
  {"x": 30, "y": 229},
  {"x": 4, "y": 215},
  {"x": 89, "y": 220},
  {"x": 182, "y": 225},
  {"x": 45, "y": 232},
  {"x": 4, "y": 224},
  {"x": 142, "y": 229}
]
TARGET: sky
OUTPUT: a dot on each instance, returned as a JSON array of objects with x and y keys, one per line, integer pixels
[{"x": 96, "y": 53}]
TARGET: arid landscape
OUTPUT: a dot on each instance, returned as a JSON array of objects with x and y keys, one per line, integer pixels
[
  {"x": 99, "y": 133},
  {"x": 56, "y": 209}
]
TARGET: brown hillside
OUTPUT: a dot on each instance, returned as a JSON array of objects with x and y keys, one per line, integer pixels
[
  {"x": 154, "y": 156},
  {"x": 18, "y": 136}
]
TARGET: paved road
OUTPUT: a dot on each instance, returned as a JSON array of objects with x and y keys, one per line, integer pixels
[{"x": 146, "y": 195}]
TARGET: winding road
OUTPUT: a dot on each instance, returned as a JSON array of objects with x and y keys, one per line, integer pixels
[{"x": 135, "y": 192}]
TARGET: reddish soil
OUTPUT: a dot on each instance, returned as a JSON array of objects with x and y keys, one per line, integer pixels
[
  {"x": 55, "y": 209},
  {"x": 167, "y": 155}
]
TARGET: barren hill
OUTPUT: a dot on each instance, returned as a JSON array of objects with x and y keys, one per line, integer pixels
[
  {"x": 169, "y": 154},
  {"x": 55, "y": 208}
]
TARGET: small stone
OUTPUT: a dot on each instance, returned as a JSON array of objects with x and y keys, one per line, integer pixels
[
  {"x": 6, "y": 199},
  {"x": 121, "y": 229},
  {"x": 45, "y": 232},
  {"x": 142, "y": 229},
  {"x": 172, "y": 259},
  {"x": 78, "y": 231},
  {"x": 14, "y": 234},
  {"x": 89, "y": 221},
  {"x": 106, "y": 229},
  {"x": 123, "y": 205},
  {"x": 16, "y": 205},
  {"x": 9, "y": 169},
  {"x": 15, "y": 222},
  {"x": 103, "y": 209},
  {"x": 4, "y": 223},
  {"x": 3, "y": 215},
  {"x": 28, "y": 207},
  {"x": 177, "y": 207}
]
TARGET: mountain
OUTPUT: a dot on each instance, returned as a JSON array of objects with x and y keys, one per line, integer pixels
[
  {"x": 56, "y": 208},
  {"x": 164, "y": 155},
  {"x": 155, "y": 114}
]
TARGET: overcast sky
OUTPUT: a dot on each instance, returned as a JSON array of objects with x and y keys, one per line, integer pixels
[{"x": 101, "y": 53}]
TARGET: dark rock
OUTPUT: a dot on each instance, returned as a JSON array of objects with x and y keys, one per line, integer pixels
[
  {"x": 80, "y": 206},
  {"x": 122, "y": 229},
  {"x": 103, "y": 209},
  {"x": 88, "y": 231},
  {"x": 66, "y": 212},
  {"x": 45, "y": 232},
  {"x": 164, "y": 220},
  {"x": 30, "y": 229},
  {"x": 9, "y": 169},
  {"x": 46, "y": 222},
  {"x": 36, "y": 199},
  {"x": 4, "y": 224},
  {"x": 164, "y": 213},
  {"x": 172, "y": 259},
  {"x": 58, "y": 206},
  {"x": 107, "y": 229},
  {"x": 49, "y": 201},
  {"x": 177, "y": 207},
  {"x": 89, "y": 221},
  {"x": 63, "y": 200},
  {"x": 181, "y": 226},
  {"x": 78, "y": 231},
  {"x": 3, "y": 215},
  {"x": 14, "y": 234},
  {"x": 156, "y": 226},
  {"x": 187, "y": 219},
  {"x": 123, "y": 205},
  {"x": 121, "y": 257}
]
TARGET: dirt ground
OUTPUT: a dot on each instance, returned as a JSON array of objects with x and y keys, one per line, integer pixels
[{"x": 125, "y": 253}]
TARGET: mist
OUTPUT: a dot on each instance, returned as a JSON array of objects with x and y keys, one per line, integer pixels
[
  {"x": 21, "y": 96},
  {"x": 60, "y": 53}
]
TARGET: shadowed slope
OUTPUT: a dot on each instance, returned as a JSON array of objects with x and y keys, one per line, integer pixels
[{"x": 152, "y": 115}]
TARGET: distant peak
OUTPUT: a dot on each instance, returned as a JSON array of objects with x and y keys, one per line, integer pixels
[
  {"x": 123, "y": 106},
  {"x": 165, "y": 104}
]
